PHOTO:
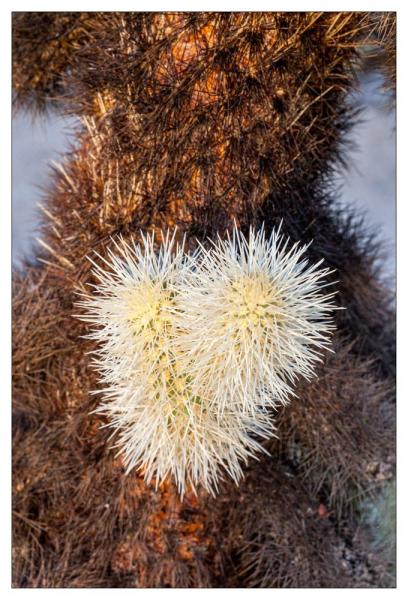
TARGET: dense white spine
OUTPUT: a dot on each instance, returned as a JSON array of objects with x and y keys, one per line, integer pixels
[
  {"x": 255, "y": 319},
  {"x": 194, "y": 351}
]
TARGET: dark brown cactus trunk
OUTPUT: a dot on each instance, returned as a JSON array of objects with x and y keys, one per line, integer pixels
[{"x": 196, "y": 120}]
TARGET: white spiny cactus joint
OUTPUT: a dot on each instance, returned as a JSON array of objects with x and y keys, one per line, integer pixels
[
  {"x": 193, "y": 351},
  {"x": 254, "y": 318}
]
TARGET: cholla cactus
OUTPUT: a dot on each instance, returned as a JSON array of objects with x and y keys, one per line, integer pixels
[
  {"x": 255, "y": 319},
  {"x": 164, "y": 426},
  {"x": 195, "y": 348},
  {"x": 192, "y": 120}
]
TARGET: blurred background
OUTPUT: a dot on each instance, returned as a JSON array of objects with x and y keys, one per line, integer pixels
[{"x": 367, "y": 186}]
